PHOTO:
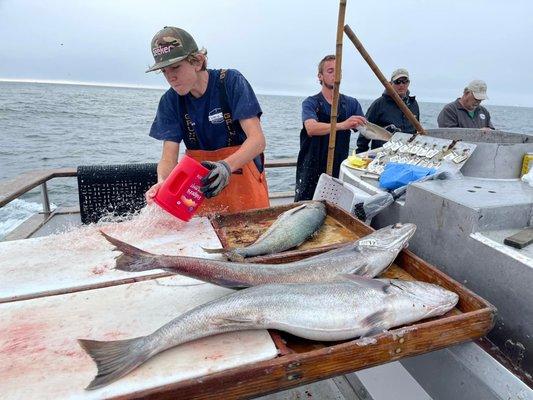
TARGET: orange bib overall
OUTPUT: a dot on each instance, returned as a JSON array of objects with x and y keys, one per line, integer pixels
[{"x": 247, "y": 187}]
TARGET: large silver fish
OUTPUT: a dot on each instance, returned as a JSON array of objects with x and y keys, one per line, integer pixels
[
  {"x": 348, "y": 308},
  {"x": 368, "y": 257},
  {"x": 291, "y": 229}
]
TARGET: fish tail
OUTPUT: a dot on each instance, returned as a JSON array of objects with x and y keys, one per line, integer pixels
[
  {"x": 214, "y": 251},
  {"x": 116, "y": 358},
  {"x": 132, "y": 258}
]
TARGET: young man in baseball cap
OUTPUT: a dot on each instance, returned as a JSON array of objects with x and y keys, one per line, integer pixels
[
  {"x": 215, "y": 113},
  {"x": 467, "y": 111}
]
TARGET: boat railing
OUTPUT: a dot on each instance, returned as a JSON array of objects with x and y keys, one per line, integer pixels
[{"x": 13, "y": 188}]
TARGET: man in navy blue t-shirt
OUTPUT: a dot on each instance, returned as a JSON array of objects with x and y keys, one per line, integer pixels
[
  {"x": 216, "y": 114},
  {"x": 314, "y": 136}
]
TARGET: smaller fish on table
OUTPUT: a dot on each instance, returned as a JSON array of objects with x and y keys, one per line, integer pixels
[
  {"x": 374, "y": 132},
  {"x": 291, "y": 229}
]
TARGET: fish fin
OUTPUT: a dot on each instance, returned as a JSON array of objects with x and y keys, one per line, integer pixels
[
  {"x": 374, "y": 323},
  {"x": 361, "y": 270},
  {"x": 235, "y": 321},
  {"x": 231, "y": 255},
  {"x": 295, "y": 209},
  {"x": 234, "y": 256},
  {"x": 346, "y": 248},
  {"x": 368, "y": 283},
  {"x": 214, "y": 251},
  {"x": 132, "y": 258},
  {"x": 114, "y": 359},
  {"x": 234, "y": 285}
]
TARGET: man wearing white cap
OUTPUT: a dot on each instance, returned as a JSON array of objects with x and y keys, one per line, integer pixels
[{"x": 467, "y": 111}]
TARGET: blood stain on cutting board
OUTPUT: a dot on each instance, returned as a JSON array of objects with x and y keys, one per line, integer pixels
[{"x": 23, "y": 339}]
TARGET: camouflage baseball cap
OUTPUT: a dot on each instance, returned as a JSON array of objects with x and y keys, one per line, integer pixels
[{"x": 171, "y": 45}]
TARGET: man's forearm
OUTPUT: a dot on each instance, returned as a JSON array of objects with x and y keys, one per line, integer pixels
[
  {"x": 164, "y": 168},
  {"x": 248, "y": 151},
  {"x": 321, "y": 128}
]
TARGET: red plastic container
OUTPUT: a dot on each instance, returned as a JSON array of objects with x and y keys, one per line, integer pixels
[{"x": 180, "y": 194}]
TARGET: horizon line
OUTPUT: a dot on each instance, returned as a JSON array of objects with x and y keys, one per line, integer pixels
[
  {"x": 81, "y": 83},
  {"x": 127, "y": 85},
  {"x": 138, "y": 86}
]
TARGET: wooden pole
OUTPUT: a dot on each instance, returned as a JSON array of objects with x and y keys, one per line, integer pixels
[
  {"x": 383, "y": 80},
  {"x": 334, "y": 104}
]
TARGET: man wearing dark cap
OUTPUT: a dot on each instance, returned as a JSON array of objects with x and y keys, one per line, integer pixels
[
  {"x": 385, "y": 112},
  {"x": 216, "y": 114},
  {"x": 467, "y": 111}
]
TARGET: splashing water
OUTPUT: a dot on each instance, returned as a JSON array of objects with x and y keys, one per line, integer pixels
[{"x": 141, "y": 226}]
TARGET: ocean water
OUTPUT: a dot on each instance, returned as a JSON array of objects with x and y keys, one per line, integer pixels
[{"x": 45, "y": 126}]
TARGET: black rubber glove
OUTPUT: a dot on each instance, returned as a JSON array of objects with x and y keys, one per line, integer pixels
[{"x": 217, "y": 178}]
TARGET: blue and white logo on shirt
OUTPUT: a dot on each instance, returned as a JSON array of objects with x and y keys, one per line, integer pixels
[
  {"x": 215, "y": 116},
  {"x": 482, "y": 116}
]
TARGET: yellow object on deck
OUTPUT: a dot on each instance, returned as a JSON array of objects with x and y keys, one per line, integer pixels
[
  {"x": 527, "y": 163},
  {"x": 359, "y": 162}
]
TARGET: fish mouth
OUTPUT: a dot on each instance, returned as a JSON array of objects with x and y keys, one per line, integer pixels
[
  {"x": 437, "y": 299},
  {"x": 407, "y": 228},
  {"x": 443, "y": 307},
  {"x": 393, "y": 237},
  {"x": 403, "y": 233}
]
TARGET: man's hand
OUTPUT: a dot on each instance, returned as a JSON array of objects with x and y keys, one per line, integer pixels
[
  {"x": 150, "y": 193},
  {"x": 217, "y": 179},
  {"x": 352, "y": 122}
]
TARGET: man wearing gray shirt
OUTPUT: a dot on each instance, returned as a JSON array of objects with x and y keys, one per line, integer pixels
[{"x": 466, "y": 111}]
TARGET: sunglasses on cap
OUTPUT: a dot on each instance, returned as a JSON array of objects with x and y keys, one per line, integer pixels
[{"x": 400, "y": 81}]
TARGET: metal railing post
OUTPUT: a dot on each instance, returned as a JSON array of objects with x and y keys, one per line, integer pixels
[{"x": 44, "y": 198}]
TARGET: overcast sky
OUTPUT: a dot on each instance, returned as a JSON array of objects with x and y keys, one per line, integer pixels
[{"x": 277, "y": 44}]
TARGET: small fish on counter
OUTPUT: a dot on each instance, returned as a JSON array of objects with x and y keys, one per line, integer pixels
[
  {"x": 368, "y": 257},
  {"x": 349, "y": 308},
  {"x": 291, "y": 229},
  {"x": 374, "y": 132}
]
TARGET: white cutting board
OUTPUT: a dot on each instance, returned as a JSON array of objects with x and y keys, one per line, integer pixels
[
  {"x": 81, "y": 258},
  {"x": 40, "y": 357}
]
